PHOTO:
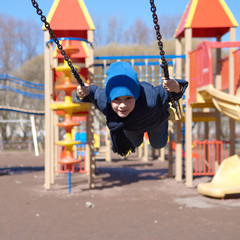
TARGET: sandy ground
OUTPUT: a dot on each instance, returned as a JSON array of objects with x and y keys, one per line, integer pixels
[{"x": 133, "y": 200}]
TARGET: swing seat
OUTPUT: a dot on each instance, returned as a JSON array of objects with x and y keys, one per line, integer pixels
[
  {"x": 226, "y": 181},
  {"x": 172, "y": 111}
]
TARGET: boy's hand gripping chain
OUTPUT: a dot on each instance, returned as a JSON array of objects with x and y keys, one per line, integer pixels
[
  {"x": 164, "y": 64},
  {"x": 60, "y": 47}
]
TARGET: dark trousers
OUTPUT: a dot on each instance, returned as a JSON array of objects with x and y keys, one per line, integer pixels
[{"x": 158, "y": 136}]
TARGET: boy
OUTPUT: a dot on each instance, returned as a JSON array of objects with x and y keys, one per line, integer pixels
[{"x": 132, "y": 107}]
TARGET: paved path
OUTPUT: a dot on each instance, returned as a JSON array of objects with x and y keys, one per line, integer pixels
[{"x": 132, "y": 201}]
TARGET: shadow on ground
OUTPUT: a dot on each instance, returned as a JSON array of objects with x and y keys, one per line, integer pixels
[
  {"x": 20, "y": 170},
  {"x": 108, "y": 177}
]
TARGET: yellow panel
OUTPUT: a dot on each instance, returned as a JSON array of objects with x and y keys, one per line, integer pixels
[{"x": 191, "y": 14}]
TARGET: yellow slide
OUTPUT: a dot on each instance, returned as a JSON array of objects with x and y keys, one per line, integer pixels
[
  {"x": 226, "y": 180},
  {"x": 224, "y": 102}
]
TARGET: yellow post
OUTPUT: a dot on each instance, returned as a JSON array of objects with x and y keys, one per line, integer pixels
[
  {"x": 232, "y": 35},
  {"x": 108, "y": 156},
  {"x": 48, "y": 114},
  {"x": 140, "y": 151},
  {"x": 188, "y": 113},
  {"x": 145, "y": 146},
  {"x": 161, "y": 155},
  {"x": 90, "y": 121},
  {"x": 178, "y": 174},
  {"x": 170, "y": 153},
  {"x": 178, "y": 157}
]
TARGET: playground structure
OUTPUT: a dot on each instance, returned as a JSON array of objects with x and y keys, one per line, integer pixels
[
  {"x": 205, "y": 86},
  {"x": 205, "y": 99},
  {"x": 82, "y": 57}
]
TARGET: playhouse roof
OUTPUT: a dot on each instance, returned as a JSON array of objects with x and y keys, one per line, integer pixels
[
  {"x": 69, "y": 18},
  {"x": 207, "y": 18}
]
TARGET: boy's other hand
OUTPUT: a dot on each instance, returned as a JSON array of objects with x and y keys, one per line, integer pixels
[
  {"x": 83, "y": 91},
  {"x": 171, "y": 85}
]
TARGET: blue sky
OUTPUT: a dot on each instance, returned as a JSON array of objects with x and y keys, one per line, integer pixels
[{"x": 129, "y": 10}]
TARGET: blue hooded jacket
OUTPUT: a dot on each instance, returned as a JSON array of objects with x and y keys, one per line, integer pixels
[{"x": 151, "y": 108}]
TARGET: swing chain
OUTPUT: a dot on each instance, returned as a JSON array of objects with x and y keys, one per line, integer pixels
[
  {"x": 164, "y": 64},
  {"x": 59, "y": 46}
]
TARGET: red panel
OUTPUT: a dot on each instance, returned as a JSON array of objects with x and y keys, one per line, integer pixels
[
  {"x": 79, "y": 118},
  {"x": 210, "y": 19},
  {"x": 201, "y": 66},
  {"x": 209, "y": 32},
  {"x": 225, "y": 73},
  {"x": 84, "y": 73},
  {"x": 205, "y": 61},
  {"x": 236, "y": 70},
  {"x": 205, "y": 17},
  {"x": 57, "y": 76},
  {"x": 193, "y": 77},
  {"x": 69, "y": 16},
  {"x": 71, "y": 33}
]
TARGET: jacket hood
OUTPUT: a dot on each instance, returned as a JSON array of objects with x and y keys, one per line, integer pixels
[{"x": 121, "y": 80}]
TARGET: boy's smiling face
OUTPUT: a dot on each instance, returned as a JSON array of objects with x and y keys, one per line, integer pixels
[{"x": 123, "y": 105}]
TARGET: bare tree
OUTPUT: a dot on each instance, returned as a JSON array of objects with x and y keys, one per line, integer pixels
[
  {"x": 18, "y": 43},
  {"x": 168, "y": 25},
  {"x": 114, "y": 30},
  {"x": 31, "y": 71},
  {"x": 7, "y": 38},
  {"x": 138, "y": 33},
  {"x": 29, "y": 37},
  {"x": 98, "y": 33}
]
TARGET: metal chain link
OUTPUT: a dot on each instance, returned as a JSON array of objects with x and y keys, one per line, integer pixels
[
  {"x": 164, "y": 64},
  {"x": 59, "y": 46}
]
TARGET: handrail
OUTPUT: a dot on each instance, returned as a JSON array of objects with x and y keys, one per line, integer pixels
[{"x": 71, "y": 38}]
